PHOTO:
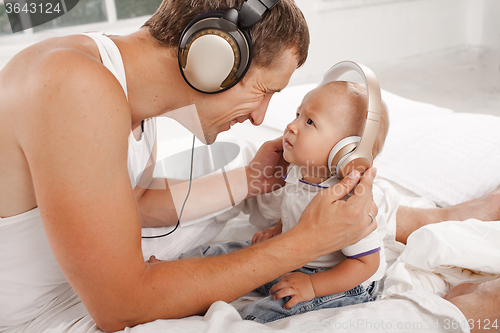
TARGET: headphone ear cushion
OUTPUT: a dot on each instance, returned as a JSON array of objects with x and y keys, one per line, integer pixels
[
  {"x": 209, "y": 62},
  {"x": 340, "y": 151},
  {"x": 213, "y": 56}
]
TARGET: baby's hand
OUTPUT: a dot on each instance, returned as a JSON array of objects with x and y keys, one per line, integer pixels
[
  {"x": 268, "y": 233},
  {"x": 296, "y": 285}
]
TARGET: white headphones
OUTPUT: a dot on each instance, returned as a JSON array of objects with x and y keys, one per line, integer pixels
[
  {"x": 215, "y": 49},
  {"x": 354, "y": 152}
]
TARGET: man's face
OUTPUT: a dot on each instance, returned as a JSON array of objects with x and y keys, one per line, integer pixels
[{"x": 248, "y": 100}]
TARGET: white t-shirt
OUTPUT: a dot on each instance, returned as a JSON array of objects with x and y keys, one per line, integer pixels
[{"x": 288, "y": 203}]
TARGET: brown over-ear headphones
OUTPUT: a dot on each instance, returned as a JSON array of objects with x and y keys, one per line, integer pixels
[
  {"x": 215, "y": 49},
  {"x": 354, "y": 152}
]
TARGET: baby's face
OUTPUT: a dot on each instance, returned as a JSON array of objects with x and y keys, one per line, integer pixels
[{"x": 319, "y": 124}]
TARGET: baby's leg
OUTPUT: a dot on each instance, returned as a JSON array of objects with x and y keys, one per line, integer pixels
[
  {"x": 268, "y": 309},
  {"x": 486, "y": 208}
]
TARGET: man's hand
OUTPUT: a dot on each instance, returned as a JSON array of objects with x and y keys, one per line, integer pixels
[
  {"x": 296, "y": 285},
  {"x": 333, "y": 223},
  {"x": 267, "y": 169}
]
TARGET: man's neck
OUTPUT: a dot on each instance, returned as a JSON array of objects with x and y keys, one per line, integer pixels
[{"x": 154, "y": 83}]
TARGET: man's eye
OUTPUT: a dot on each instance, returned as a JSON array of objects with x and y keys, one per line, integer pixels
[{"x": 310, "y": 122}]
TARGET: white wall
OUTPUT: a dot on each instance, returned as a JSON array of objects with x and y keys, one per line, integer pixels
[
  {"x": 373, "y": 32},
  {"x": 381, "y": 32},
  {"x": 491, "y": 24},
  {"x": 484, "y": 23},
  {"x": 13, "y": 43}
]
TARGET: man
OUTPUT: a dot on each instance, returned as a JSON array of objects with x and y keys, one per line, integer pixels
[{"x": 63, "y": 160}]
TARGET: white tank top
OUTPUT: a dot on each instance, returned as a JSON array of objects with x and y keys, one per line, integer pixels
[
  {"x": 138, "y": 151},
  {"x": 33, "y": 291}
]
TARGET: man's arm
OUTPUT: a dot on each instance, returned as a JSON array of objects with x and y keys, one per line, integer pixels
[
  {"x": 161, "y": 203},
  {"x": 160, "y": 200}
]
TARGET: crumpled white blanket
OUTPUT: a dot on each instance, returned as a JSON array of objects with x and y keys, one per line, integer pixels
[{"x": 441, "y": 256}]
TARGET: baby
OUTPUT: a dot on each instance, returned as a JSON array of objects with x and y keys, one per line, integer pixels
[{"x": 327, "y": 115}]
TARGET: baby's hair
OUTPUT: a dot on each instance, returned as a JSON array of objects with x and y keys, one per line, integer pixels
[{"x": 357, "y": 118}]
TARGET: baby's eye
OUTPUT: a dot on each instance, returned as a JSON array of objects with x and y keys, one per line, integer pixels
[
  {"x": 310, "y": 122},
  {"x": 297, "y": 115}
]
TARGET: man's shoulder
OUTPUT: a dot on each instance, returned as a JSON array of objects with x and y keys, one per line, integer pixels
[
  {"x": 67, "y": 63},
  {"x": 56, "y": 61},
  {"x": 59, "y": 79},
  {"x": 65, "y": 85},
  {"x": 69, "y": 71}
]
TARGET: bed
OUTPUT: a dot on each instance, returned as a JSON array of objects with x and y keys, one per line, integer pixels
[{"x": 432, "y": 157}]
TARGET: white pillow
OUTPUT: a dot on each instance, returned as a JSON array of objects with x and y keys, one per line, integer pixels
[{"x": 448, "y": 158}]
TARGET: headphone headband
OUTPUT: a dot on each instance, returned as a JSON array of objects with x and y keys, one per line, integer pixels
[
  {"x": 251, "y": 11},
  {"x": 361, "y": 157}
]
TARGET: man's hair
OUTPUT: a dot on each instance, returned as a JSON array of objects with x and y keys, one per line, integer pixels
[{"x": 283, "y": 27}]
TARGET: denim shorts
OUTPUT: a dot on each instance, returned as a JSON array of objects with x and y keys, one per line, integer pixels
[{"x": 267, "y": 309}]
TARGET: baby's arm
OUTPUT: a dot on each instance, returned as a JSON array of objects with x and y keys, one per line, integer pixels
[
  {"x": 267, "y": 233},
  {"x": 348, "y": 274}
]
